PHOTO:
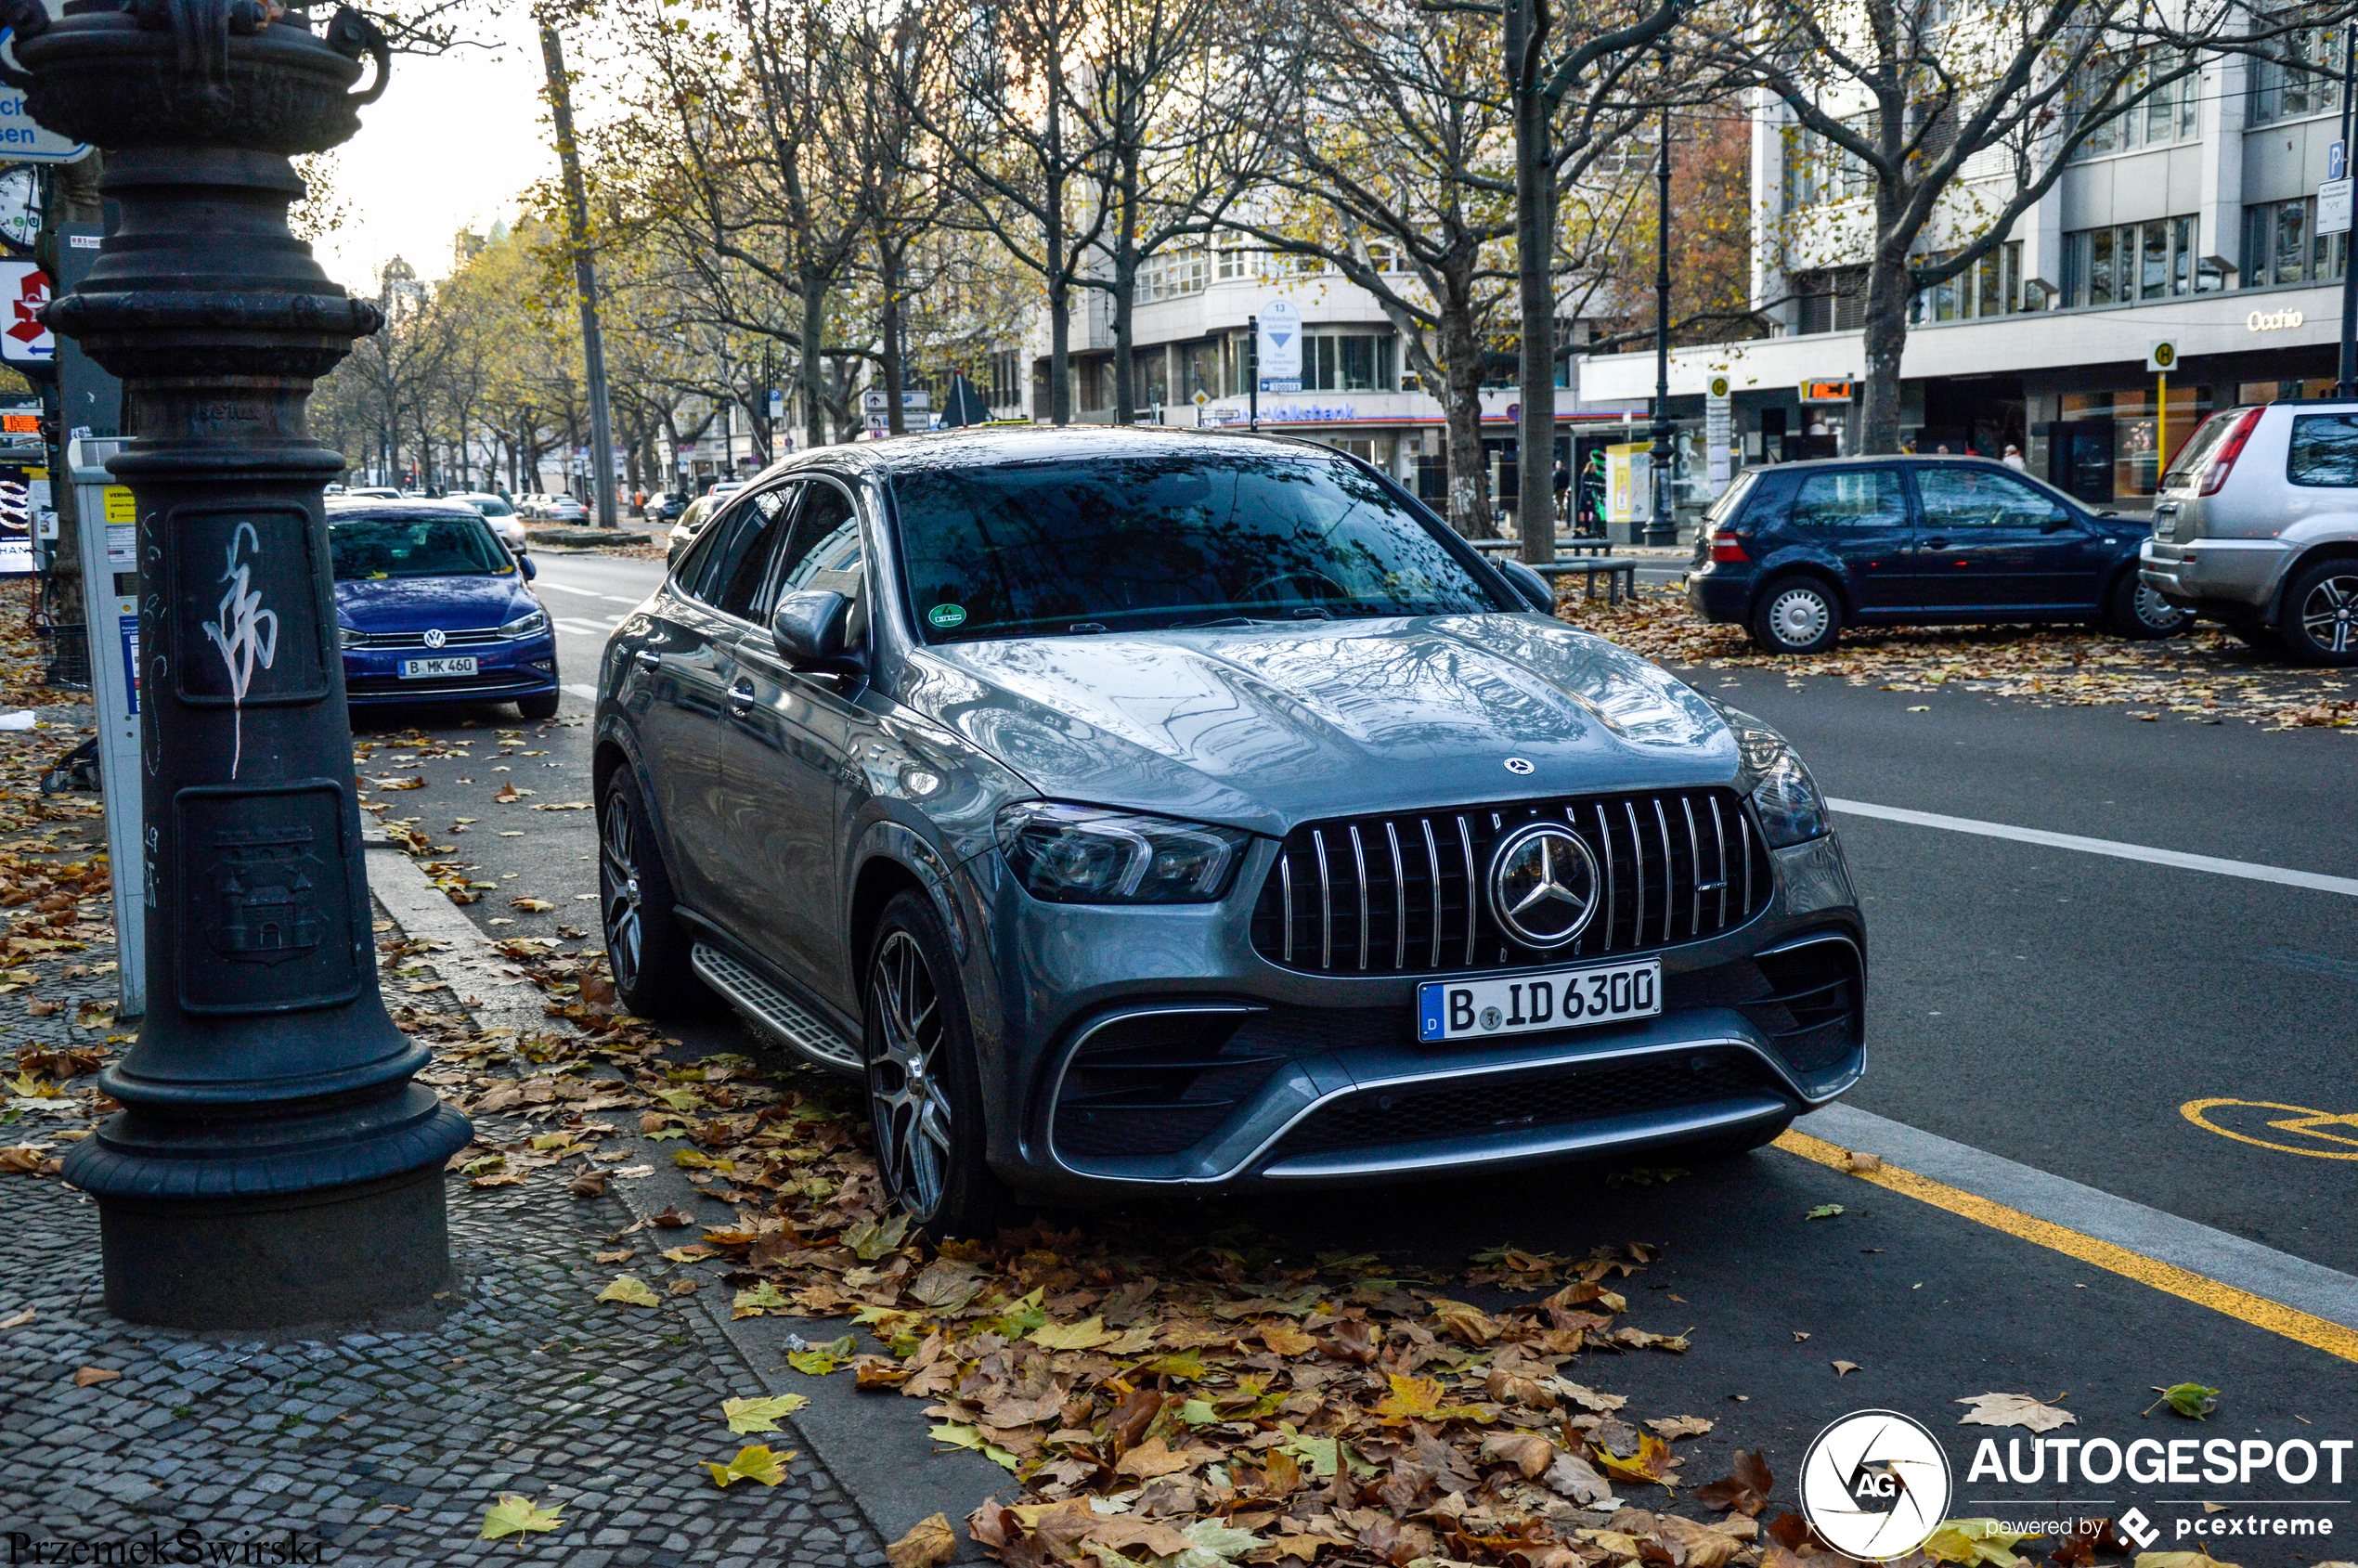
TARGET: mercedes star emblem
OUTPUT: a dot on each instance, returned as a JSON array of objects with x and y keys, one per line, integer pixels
[
  {"x": 1543, "y": 884},
  {"x": 434, "y": 637},
  {"x": 1521, "y": 766}
]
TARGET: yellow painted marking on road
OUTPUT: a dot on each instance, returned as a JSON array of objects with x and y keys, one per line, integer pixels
[
  {"x": 2302, "y": 1120},
  {"x": 2274, "y": 1316}
]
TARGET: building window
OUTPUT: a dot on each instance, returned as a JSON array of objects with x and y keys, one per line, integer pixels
[
  {"x": 1817, "y": 170},
  {"x": 1237, "y": 260},
  {"x": 1347, "y": 362},
  {"x": 1173, "y": 274},
  {"x": 2286, "y": 90},
  {"x": 2282, "y": 245},
  {"x": 1006, "y": 385},
  {"x": 2165, "y": 115},
  {"x": 2133, "y": 262},
  {"x": 1830, "y": 299}
]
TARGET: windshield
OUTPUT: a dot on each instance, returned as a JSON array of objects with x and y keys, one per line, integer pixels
[
  {"x": 1114, "y": 544},
  {"x": 414, "y": 547}
]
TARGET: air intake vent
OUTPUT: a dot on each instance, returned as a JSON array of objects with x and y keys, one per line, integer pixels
[{"x": 1393, "y": 894}]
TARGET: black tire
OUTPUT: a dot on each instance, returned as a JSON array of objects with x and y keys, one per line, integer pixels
[
  {"x": 646, "y": 947},
  {"x": 538, "y": 707},
  {"x": 1796, "y": 614},
  {"x": 2137, "y": 613},
  {"x": 924, "y": 1097},
  {"x": 2320, "y": 617}
]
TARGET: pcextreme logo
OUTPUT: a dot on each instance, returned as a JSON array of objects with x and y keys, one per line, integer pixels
[{"x": 1875, "y": 1484}]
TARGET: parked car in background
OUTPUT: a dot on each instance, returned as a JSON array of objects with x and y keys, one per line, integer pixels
[
  {"x": 432, "y": 608},
  {"x": 564, "y": 508},
  {"x": 667, "y": 506},
  {"x": 374, "y": 492},
  {"x": 1152, "y": 811},
  {"x": 1798, "y": 550},
  {"x": 2255, "y": 525},
  {"x": 499, "y": 515}
]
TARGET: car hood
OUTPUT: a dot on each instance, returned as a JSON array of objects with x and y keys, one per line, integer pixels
[
  {"x": 1265, "y": 727},
  {"x": 468, "y": 603}
]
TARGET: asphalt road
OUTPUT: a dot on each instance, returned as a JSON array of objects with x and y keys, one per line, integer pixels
[{"x": 2055, "y": 1007}]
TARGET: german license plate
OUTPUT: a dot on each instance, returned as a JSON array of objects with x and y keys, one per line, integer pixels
[
  {"x": 1562, "y": 999},
  {"x": 428, "y": 670}
]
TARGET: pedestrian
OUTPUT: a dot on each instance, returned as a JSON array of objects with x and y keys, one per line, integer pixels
[
  {"x": 2013, "y": 458},
  {"x": 1563, "y": 486},
  {"x": 1942, "y": 450}
]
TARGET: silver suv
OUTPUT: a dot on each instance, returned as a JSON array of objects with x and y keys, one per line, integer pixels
[{"x": 2257, "y": 526}]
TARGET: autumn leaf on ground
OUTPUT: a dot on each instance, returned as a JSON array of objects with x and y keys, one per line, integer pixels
[
  {"x": 1860, "y": 1164},
  {"x": 1681, "y": 1426},
  {"x": 1977, "y": 1543},
  {"x": 1470, "y": 1323},
  {"x": 630, "y": 1290},
  {"x": 531, "y": 906},
  {"x": 507, "y": 793},
  {"x": 818, "y": 1360},
  {"x": 16, "y": 1320},
  {"x": 1154, "y": 1458},
  {"x": 1825, "y": 1211},
  {"x": 1844, "y": 1368},
  {"x": 1747, "y": 1491},
  {"x": 1087, "y": 1334},
  {"x": 753, "y": 1462},
  {"x": 85, "y": 1376},
  {"x": 2013, "y": 1410},
  {"x": 929, "y": 1542},
  {"x": 2191, "y": 1400},
  {"x": 2187, "y": 1559},
  {"x": 1284, "y": 1338},
  {"x": 870, "y": 1240},
  {"x": 516, "y": 1515},
  {"x": 1653, "y": 1462},
  {"x": 761, "y": 1414},
  {"x": 670, "y": 1219},
  {"x": 1410, "y": 1399}
]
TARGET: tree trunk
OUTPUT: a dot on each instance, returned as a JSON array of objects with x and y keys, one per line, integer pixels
[
  {"x": 1469, "y": 469},
  {"x": 1125, "y": 354},
  {"x": 1885, "y": 340},
  {"x": 888, "y": 280},
  {"x": 814, "y": 369}
]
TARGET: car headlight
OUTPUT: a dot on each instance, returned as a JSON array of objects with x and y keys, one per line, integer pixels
[
  {"x": 525, "y": 625},
  {"x": 1787, "y": 801},
  {"x": 1091, "y": 855},
  {"x": 352, "y": 639}
]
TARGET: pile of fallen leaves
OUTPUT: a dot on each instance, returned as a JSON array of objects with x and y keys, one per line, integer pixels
[{"x": 2204, "y": 677}]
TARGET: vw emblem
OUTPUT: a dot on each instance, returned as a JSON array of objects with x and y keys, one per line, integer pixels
[
  {"x": 434, "y": 637},
  {"x": 1521, "y": 766},
  {"x": 1543, "y": 884}
]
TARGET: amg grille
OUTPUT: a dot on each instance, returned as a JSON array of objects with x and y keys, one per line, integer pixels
[
  {"x": 1383, "y": 895},
  {"x": 1488, "y": 1104}
]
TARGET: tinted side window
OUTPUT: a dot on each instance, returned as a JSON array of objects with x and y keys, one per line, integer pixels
[
  {"x": 747, "y": 531},
  {"x": 1975, "y": 498},
  {"x": 1849, "y": 498},
  {"x": 2325, "y": 450}
]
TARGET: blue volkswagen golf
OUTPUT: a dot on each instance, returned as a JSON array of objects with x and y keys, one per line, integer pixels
[{"x": 433, "y": 609}]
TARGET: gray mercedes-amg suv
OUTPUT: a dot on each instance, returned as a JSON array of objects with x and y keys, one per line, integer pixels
[{"x": 1131, "y": 808}]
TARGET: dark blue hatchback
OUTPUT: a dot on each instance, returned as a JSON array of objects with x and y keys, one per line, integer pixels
[
  {"x": 1796, "y": 552},
  {"x": 433, "y": 609}
]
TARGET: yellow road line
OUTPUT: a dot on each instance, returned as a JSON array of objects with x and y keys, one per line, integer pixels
[{"x": 2259, "y": 1310}]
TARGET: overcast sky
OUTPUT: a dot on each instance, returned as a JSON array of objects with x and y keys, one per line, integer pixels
[{"x": 448, "y": 148}]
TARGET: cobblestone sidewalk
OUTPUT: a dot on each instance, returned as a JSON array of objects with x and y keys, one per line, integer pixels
[{"x": 390, "y": 1447}]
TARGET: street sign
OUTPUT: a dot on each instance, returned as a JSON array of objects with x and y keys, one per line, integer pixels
[
  {"x": 876, "y": 400},
  {"x": 777, "y": 405},
  {"x": 2161, "y": 356},
  {"x": 2333, "y": 206},
  {"x": 2337, "y": 159},
  {"x": 1718, "y": 422},
  {"x": 1280, "y": 347},
  {"x": 24, "y": 288}
]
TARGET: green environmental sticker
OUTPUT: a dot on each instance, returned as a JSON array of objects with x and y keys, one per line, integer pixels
[{"x": 947, "y": 615}]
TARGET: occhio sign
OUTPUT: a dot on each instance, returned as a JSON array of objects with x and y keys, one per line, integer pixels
[{"x": 2271, "y": 320}]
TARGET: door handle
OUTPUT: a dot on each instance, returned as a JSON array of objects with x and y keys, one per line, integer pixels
[
  {"x": 1936, "y": 544},
  {"x": 649, "y": 660},
  {"x": 740, "y": 695}
]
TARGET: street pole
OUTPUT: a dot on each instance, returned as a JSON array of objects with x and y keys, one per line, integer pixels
[
  {"x": 585, "y": 275},
  {"x": 1660, "y": 527},
  {"x": 2348, "y": 378},
  {"x": 1252, "y": 369},
  {"x": 272, "y": 1163}
]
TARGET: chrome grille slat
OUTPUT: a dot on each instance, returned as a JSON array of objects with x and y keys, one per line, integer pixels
[
  {"x": 1359, "y": 869},
  {"x": 1613, "y": 826}
]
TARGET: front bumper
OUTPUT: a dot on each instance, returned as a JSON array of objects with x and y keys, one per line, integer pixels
[
  {"x": 504, "y": 671},
  {"x": 2233, "y": 576},
  {"x": 1156, "y": 1048}
]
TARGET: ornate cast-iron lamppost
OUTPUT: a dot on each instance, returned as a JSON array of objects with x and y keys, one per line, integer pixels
[{"x": 272, "y": 1164}]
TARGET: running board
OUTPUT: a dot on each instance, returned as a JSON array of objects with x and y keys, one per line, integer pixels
[{"x": 776, "y": 1014}]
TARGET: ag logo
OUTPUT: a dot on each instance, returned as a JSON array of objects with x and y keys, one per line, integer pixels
[{"x": 1876, "y": 1486}]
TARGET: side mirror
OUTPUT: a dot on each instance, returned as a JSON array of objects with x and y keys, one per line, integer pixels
[
  {"x": 2057, "y": 521},
  {"x": 810, "y": 627},
  {"x": 1529, "y": 585},
  {"x": 523, "y": 564}
]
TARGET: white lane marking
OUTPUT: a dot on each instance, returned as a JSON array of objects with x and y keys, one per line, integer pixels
[
  {"x": 588, "y": 593},
  {"x": 2250, "y": 870},
  {"x": 581, "y": 627},
  {"x": 587, "y": 692},
  {"x": 2215, "y": 1255}
]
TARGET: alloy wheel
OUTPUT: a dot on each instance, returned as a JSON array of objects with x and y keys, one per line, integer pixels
[
  {"x": 2329, "y": 614},
  {"x": 908, "y": 1099},
  {"x": 618, "y": 860},
  {"x": 1800, "y": 615}
]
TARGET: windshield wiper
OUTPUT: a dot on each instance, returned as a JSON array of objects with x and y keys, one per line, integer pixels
[{"x": 1200, "y": 626}]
